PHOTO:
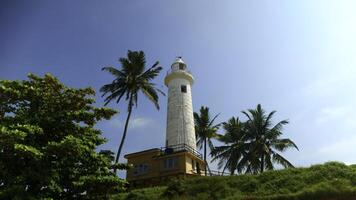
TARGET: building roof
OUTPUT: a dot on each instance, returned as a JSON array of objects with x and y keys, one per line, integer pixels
[{"x": 141, "y": 152}]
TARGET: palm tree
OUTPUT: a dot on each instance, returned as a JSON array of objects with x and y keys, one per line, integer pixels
[
  {"x": 128, "y": 81},
  {"x": 205, "y": 130},
  {"x": 234, "y": 148},
  {"x": 265, "y": 142}
]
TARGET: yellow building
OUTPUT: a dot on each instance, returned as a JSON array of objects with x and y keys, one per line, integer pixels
[{"x": 156, "y": 166}]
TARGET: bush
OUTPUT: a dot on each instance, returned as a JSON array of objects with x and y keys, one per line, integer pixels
[{"x": 152, "y": 193}]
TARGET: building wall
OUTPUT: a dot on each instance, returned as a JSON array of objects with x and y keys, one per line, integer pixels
[
  {"x": 191, "y": 160},
  {"x": 156, "y": 173},
  {"x": 142, "y": 158}
]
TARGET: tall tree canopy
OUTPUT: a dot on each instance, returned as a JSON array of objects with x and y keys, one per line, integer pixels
[
  {"x": 132, "y": 78},
  {"x": 48, "y": 142}
]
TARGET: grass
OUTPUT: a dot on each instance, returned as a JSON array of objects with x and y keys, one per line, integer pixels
[{"x": 329, "y": 181}]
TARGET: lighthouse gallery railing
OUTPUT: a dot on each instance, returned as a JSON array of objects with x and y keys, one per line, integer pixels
[{"x": 180, "y": 148}]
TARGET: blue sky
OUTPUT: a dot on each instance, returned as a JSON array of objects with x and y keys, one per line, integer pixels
[{"x": 296, "y": 57}]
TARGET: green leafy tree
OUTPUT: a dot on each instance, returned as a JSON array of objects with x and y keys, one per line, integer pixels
[
  {"x": 131, "y": 79},
  {"x": 265, "y": 142},
  {"x": 205, "y": 130},
  {"x": 48, "y": 142},
  {"x": 234, "y": 148}
]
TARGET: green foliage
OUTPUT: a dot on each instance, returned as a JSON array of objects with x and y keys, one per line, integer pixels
[
  {"x": 176, "y": 188},
  {"x": 142, "y": 194},
  {"x": 48, "y": 142},
  {"x": 329, "y": 181}
]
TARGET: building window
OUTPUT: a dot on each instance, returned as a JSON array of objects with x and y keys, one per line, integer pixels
[
  {"x": 170, "y": 163},
  {"x": 181, "y": 66},
  {"x": 183, "y": 88},
  {"x": 140, "y": 169}
]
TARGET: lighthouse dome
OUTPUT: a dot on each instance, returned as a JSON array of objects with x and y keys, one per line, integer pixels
[{"x": 178, "y": 64}]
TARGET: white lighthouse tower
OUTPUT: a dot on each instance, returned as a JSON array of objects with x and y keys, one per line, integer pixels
[{"x": 180, "y": 120}]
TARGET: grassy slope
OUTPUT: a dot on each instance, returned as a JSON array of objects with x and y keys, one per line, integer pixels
[{"x": 329, "y": 181}]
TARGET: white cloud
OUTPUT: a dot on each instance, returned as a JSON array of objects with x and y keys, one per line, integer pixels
[
  {"x": 140, "y": 122},
  {"x": 114, "y": 122},
  {"x": 343, "y": 150},
  {"x": 134, "y": 123},
  {"x": 333, "y": 83},
  {"x": 339, "y": 133},
  {"x": 337, "y": 113}
]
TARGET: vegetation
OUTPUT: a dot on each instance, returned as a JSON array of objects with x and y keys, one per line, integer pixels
[
  {"x": 205, "y": 130},
  {"x": 48, "y": 142},
  {"x": 265, "y": 141},
  {"x": 153, "y": 193},
  {"x": 319, "y": 182},
  {"x": 128, "y": 82},
  {"x": 253, "y": 146},
  {"x": 234, "y": 149}
]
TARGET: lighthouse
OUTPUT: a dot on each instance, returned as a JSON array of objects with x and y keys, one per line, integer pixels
[
  {"x": 180, "y": 120},
  {"x": 179, "y": 156}
]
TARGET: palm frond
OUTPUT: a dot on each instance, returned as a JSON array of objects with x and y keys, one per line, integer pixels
[
  {"x": 268, "y": 119},
  {"x": 130, "y": 79},
  {"x": 151, "y": 73},
  {"x": 151, "y": 94},
  {"x": 281, "y": 160},
  {"x": 276, "y": 131},
  {"x": 212, "y": 121},
  {"x": 282, "y": 144},
  {"x": 117, "y": 73}
]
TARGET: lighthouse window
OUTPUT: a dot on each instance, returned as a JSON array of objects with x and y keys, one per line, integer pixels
[
  {"x": 183, "y": 88},
  {"x": 181, "y": 66}
]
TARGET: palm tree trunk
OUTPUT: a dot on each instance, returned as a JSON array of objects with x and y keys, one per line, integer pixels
[
  {"x": 206, "y": 173},
  {"x": 262, "y": 163},
  {"x": 124, "y": 134},
  {"x": 232, "y": 172},
  {"x": 206, "y": 163},
  {"x": 223, "y": 172}
]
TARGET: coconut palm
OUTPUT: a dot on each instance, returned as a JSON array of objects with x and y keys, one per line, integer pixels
[
  {"x": 132, "y": 78},
  {"x": 234, "y": 148},
  {"x": 205, "y": 130},
  {"x": 265, "y": 142}
]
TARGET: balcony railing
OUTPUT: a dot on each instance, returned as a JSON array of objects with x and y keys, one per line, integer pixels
[
  {"x": 170, "y": 71},
  {"x": 210, "y": 172},
  {"x": 180, "y": 148},
  {"x": 218, "y": 173}
]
